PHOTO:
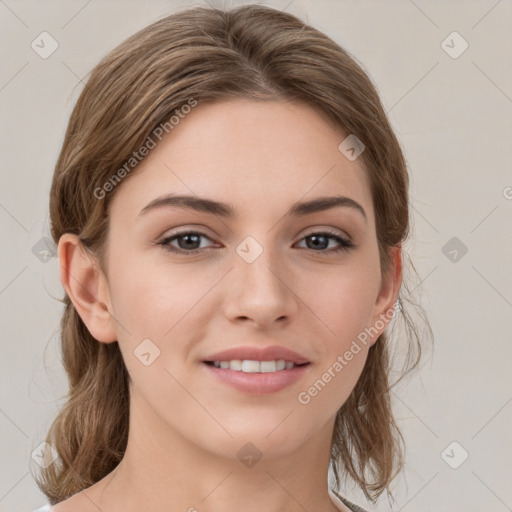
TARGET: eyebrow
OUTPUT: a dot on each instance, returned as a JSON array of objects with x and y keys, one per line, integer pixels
[{"x": 205, "y": 205}]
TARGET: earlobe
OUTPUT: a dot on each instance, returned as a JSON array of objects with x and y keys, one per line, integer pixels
[
  {"x": 87, "y": 287},
  {"x": 388, "y": 294}
]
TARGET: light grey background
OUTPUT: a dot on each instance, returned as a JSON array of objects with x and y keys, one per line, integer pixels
[{"x": 453, "y": 118}]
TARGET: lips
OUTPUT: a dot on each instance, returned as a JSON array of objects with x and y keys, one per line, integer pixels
[{"x": 270, "y": 353}]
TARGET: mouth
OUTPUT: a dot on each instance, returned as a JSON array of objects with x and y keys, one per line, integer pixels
[
  {"x": 255, "y": 366},
  {"x": 256, "y": 369},
  {"x": 256, "y": 377}
]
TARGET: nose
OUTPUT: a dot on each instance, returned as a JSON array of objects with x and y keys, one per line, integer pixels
[{"x": 263, "y": 291}]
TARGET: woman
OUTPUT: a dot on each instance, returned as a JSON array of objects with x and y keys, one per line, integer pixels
[{"x": 232, "y": 372}]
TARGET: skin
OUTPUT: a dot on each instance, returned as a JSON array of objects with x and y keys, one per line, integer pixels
[{"x": 186, "y": 427}]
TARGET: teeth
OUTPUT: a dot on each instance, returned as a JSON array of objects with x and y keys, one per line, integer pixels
[
  {"x": 265, "y": 366},
  {"x": 250, "y": 366},
  {"x": 281, "y": 365},
  {"x": 234, "y": 365}
]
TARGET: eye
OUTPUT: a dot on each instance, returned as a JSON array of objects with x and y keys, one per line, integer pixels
[
  {"x": 319, "y": 240},
  {"x": 188, "y": 242}
]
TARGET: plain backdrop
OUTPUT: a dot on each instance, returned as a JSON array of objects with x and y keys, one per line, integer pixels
[{"x": 443, "y": 70}]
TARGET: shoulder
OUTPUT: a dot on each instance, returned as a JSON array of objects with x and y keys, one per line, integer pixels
[{"x": 352, "y": 506}]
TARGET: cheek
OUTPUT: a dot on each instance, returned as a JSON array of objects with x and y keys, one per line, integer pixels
[
  {"x": 343, "y": 303},
  {"x": 148, "y": 298},
  {"x": 162, "y": 303}
]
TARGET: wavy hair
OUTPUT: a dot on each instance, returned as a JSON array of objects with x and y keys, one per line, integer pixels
[{"x": 214, "y": 55}]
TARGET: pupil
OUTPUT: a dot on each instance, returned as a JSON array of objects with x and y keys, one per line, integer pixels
[
  {"x": 315, "y": 239},
  {"x": 188, "y": 237}
]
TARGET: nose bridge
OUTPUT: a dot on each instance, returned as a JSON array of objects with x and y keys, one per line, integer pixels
[
  {"x": 258, "y": 263},
  {"x": 260, "y": 290}
]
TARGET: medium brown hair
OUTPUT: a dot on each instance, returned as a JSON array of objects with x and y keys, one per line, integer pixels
[{"x": 213, "y": 55}]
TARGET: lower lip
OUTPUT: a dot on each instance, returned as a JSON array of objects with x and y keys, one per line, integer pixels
[{"x": 258, "y": 383}]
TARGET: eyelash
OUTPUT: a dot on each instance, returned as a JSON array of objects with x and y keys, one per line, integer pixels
[{"x": 345, "y": 245}]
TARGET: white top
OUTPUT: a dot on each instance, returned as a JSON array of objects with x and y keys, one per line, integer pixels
[{"x": 337, "y": 503}]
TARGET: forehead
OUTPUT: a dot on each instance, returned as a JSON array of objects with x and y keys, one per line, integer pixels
[{"x": 252, "y": 154}]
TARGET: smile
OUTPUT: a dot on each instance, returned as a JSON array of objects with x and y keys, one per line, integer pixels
[
  {"x": 252, "y": 366},
  {"x": 256, "y": 377}
]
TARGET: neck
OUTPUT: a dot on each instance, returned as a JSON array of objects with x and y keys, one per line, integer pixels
[{"x": 162, "y": 471}]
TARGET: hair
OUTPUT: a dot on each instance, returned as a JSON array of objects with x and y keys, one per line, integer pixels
[{"x": 213, "y": 55}]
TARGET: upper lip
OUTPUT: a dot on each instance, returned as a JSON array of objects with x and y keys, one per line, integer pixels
[{"x": 270, "y": 353}]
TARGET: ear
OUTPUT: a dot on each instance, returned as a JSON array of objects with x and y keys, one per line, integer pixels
[
  {"x": 87, "y": 287},
  {"x": 388, "y": 293}
]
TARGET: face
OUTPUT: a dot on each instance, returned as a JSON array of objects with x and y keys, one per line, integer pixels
[{"x": 182, "y": 285}]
